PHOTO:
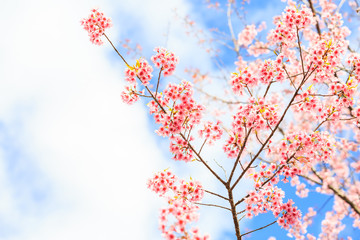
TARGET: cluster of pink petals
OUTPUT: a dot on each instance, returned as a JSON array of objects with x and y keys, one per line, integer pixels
[
  {"x": 241, "y": 80},
  {"x": 247, "y": 35},
  {"x": 271, "y": 199},
  {"x": 264, "y": 174},
  {"x": 184, "y": 214},
  {"x": 130, "y": 94},
  {"x": 308, "y": 102},
  {"x": 258, "y": 48},
  {"x": 95, "y": 25},
  {"x": 141, "y": 70},
  {"x": 162, "y": 182},
  {"x": 297, "y": 18},
  {"x": 344, "y": 92},
  {"x": 268, "y": 71},
  {"x": 333, "y": 20},
  {"x": 301, "y": 189},
  {"x": 356, "y": 165},
  {"x": 181, "y": 211},
  {"x": 354, "y": 61},
  {"x": 180, "y": 149},
  {"x": 292, "y": 20},
  {"x": 165, "y": 60},
  {"x": 308, "y": 148},
  {"x": 323, "y": 57},
  {"x": 256, "y": 115},
  {"x": 191, "y": 191},
  {"x": 211, "y": 131},
  {"x": 182, "y": 112},
  {"x": 233, "y": 144},
  {"x": 272, "y": 71}
]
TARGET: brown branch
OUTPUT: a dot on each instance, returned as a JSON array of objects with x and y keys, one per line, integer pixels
[
  {"x": 300, "y": 51},
  {"x": 339, "y": 194},
  {"x": 268, "y": 180},
  {"x": 215, "y": 194},
  {"x": 212, "y": 205},
  {"x": 272, "y": 132},
  {"x": 116, "y": 50},
  {"x": 149, "y": 91},
  {"x": 162, "y": 108},
  {"x": 259, "y": 228},
  {"x": 314, "y": 15},
  {"x": 158, "y": 82},
  {"x": 202, "y": 160},
  {"x": 239, "y": 155},
  {"x": 267, "y": 89},
  {"x": 233, "y": 212}
]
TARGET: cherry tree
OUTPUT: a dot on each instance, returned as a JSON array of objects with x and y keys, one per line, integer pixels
[{"x": 290, "y": 114}]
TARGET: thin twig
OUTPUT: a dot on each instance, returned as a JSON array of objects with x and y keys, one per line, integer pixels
[
  {"x": 215, "y": 194},
  {"x": 259, "y": 228},
  {"x": 212, "y": 205},
  {"x": 236, "y": 46},
  {"x": 158, "y": 81}
]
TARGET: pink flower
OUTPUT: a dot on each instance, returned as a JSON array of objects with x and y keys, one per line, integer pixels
[
  {"x": 95, "y": 25},
  {"x": 165, "y": 60}
]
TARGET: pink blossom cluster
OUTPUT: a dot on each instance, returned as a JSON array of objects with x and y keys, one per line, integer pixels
[
  {"x": 247, "y": 35},
  {"x": 299, "y": 18},
  {"x": 323, "y": 58},
  {"x": 142, "y": 70},
  {"x": 180, "y": 149},
  {"x": 258, "y": 48},
  {"x": 256, "y": 115},
  {"x": 130, "y": 94},
  {"x": 211, "y": 131},
  {"x": 184, "y": 214},
  {"x": 95, "y": 25},
  {"x": 179, "y": 112},
  {"x": 301, "y": 189},
  {"x": 162, "y": 182},
  {"x": 166, "y": 60},
  {"x": 191, "y": 191},
  {"x": 272, "y": 71},
  {"x": 268, "y": 71},
  {"x": 344, "y": 92},
  {"x": 333, "y": 20},
  {"x": 354, "y": 61},
  {"x": 287, "y": 25},
  {"x": 181, "y": 196},
  {"x": 182, "y": 112},
  {"x": 356, "y": 165},
  {"x": 308, "y": 148},
  {"x": 308, "y": 102},
  {"x": 271, "y": 199},
  {"x": 241, "y": 80},
  {"x": 331, "y": 226},
  {"x": 299, "y": 229},
  {"x": 264, "y": 174},
  {"x": 233, "y": 144}
]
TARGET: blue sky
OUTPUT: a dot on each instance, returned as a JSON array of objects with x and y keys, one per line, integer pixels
[{"x": 74, "y": 159}]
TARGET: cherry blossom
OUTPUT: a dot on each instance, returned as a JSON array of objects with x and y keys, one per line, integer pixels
[
  {"x": 290, "y": 113},
  {"x": 95, "y": 24}
]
